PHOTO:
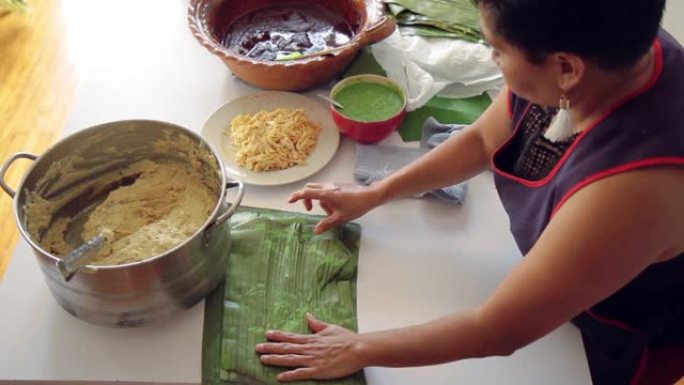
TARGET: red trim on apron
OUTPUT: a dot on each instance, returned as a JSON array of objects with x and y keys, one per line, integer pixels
[
  {"x": 643, "y": 363},
  {"x": 649, "y": 162},
  {"x": 643, "y": 360},
  {"x": 657, "y": 71},
  {"x": 510, "y": 139}
]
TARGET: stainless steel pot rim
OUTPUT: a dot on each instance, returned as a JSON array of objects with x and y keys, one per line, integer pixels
[{"x": 86, "y": 131}]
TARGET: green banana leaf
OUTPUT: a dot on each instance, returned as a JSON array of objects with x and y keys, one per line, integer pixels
[
  {"x": 445, "y": 110},
  {"x": 448, "y": 15},
  {"x": 410, "y": 18},
  {"x": 428, "y": 31},
  {"x": 395, "y": 9},
  {"x": 278, "y": 271},
  {"x": 452, "y": 11}
]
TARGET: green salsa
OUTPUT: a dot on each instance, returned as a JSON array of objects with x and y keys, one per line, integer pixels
[{"x": 369, "y": 102}]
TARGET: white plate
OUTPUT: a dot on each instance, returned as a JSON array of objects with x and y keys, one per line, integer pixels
[{"x": 328, "y": 139}]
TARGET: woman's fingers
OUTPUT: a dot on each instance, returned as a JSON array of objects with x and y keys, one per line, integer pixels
[
  {"x": 327, "y": 223},
  {"x": 286, "y": 360},
  {"x": 280, "y": 348},
  {"x": 324, "y": 355},
  {"x": 315, "y": 324},
  {"x": 326, "y": 207},
  {"x": 307, "y": 194},
  {"x": 322, "y": 186},
  {"x": 316, "y": 185},
  {"x": 297, "y": 374},
  {"x": 329, "y": 197},
  {"x": 280, "y": 336},
  {"x": 313, "y": 191}
]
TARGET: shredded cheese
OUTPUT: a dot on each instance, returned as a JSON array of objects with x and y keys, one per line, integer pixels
[{"x": 273, "y": 140}]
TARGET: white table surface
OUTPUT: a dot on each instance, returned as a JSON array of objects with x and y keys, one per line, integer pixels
[{"x": 420, "y": 259}]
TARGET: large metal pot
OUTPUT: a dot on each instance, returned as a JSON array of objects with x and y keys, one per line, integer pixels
[
  {"x": 135, "y": 293},
  {"x": 208, "y": 20}
]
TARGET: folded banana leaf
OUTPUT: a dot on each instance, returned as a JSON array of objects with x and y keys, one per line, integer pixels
[
  {"x": 278, "y": 271},
  {"x": 428, "y": 31},
  {"x": 460, "y": 17},
  {"x": 410, "y": 18},
  {"x": 461, "y": 12}
]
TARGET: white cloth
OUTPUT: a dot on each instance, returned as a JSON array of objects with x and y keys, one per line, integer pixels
[
  {"x": 428, "y": 66},
  {"x": 376, "y": 162}
]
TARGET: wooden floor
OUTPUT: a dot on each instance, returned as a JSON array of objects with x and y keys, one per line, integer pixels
[{"x": 37, "y": 86}]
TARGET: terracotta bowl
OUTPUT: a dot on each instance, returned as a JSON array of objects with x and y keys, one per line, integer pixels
[
  {"x": 210, "y": 19},
  {"x": 367, "y": 132}
]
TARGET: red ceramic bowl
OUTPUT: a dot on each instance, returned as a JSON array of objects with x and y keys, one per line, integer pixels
[{"x": 367, "y": 131}]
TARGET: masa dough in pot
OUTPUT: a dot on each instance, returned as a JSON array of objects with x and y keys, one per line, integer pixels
[{"x": 167, "y": 203}]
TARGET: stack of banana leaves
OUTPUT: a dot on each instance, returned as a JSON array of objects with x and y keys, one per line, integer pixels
[
  {"x": 458, "y": 19},
  {"x": 278, "y": 271}
]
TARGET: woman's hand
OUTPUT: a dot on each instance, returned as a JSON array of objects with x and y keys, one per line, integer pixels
[
  {"x": 342, "y": 202},
  {"x": 332, "y": 352}
]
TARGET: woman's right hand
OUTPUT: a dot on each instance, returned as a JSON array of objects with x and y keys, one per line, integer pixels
[{"x": 342, "y": 202}]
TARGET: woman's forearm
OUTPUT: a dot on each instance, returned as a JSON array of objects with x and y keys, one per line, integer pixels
[
  {"x": 460, "y": 157},
  {"x": 457, "y": 159},
  {"x": 450, "y": 338}
]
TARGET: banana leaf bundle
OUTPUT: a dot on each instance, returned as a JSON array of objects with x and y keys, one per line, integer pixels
[
  {"x": 278, "y": 271},
  {"x": 458, "y": 19}
]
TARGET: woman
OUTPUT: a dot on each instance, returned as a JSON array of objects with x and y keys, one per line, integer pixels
[{"x": 593, "y": 189}]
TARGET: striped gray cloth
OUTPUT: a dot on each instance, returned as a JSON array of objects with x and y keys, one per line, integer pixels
[{"x": 375, "y": 162}]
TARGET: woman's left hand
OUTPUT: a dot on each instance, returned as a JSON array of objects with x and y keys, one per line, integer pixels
[{"x": 329, "y": 353}]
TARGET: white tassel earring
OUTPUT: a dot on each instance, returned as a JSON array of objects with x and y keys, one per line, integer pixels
[{"x": 562, "y": 126}]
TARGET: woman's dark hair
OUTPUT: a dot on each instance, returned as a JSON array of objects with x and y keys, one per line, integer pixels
[{"x": 613, "y": 34}]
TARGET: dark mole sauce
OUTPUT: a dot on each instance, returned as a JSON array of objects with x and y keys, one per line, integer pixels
[{"x": 270, "y": 33}]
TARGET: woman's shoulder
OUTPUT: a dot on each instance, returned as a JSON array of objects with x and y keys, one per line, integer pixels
[
  {"x": 659, "y": 190},
  {"x": 650, "y": 197},
  {"x": 669, "y": 84},
  {"x": 669, "y": 42}
]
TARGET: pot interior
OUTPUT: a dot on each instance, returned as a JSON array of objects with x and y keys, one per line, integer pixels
[
  {"x": 248, "y": 28},
  {"x": 75, "y": 176}
]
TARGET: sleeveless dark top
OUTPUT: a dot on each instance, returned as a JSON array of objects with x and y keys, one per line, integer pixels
[{"x": 644, "y": 130}]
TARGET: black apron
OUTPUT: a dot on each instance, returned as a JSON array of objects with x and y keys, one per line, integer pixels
[{"x": 644, "y": 130}]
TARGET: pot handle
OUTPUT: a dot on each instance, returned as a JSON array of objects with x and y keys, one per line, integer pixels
[
  {"x": 380, "y": 25},
  {"x": 6, "y": 166},
  {"x": 233, "y": 207}
]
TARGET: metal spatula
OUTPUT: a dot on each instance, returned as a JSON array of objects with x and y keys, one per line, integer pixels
[{"x": 80, "y": 256}]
